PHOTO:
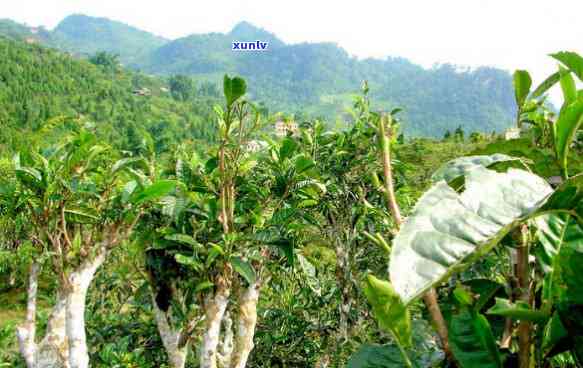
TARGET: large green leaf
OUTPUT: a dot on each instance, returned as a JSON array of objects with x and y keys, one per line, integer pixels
[
  {"x": 571, "y": 60},
  {"x": 244, "y": 269},
  {"x": 288, "y": 147},
  {"x": 472, "y": 341},
  {"x": 568, "y": 289},
  {"x": 153, "y": 192},
  {"x": 390, "y": 312},
  {"x": 555, "y": 337},
  {"x": 447, "y": 231},
  {"x": 569, "y": 121},
  {"x": 568, "y": 86},
  {"x": 461, "y": 166},
  {"x": 546, "y": 85},
  {"x": 376, "y": 356},
  {"x": 522, "y": 83},
  {"x": 233, "y": 89},
  {"x": 560, "y": 251},
  {"x": 518, "y": 310}
]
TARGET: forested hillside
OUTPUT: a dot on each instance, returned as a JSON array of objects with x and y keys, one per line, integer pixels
[
  {"x": 42, "y": 89},
  {"x": 306, "y": 79}
]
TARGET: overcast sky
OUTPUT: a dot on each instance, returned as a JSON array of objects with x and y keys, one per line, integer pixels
[{"x": 509, "y": 34}]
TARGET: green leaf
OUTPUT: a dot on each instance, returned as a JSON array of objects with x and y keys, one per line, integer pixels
[
  {"x": 81, "y": 215},
  {"x": 522, "y": 83},
  {"x": 518, "y": 311},
  {"x": 546, "y": 85},
  {"x": 461, "y": 166},
  {"x": 187, "y": 260},
  {"x": 203, "y": 286},
  {"x": 288, "y": 147},
  {"x": 472, "y": 341},
  {"x": 566, "y": 126},
  {"x": 568, "y": 86},
  {"x": 303, "y": 163},
  {"x": 128, "y": 190},
  {"x": 554, "y": 336},
  {"x": 184, "y": 238},
  {"x": 310, "y": 273},
  {"x": 486, "y": 289},
  {"x": 233, "y": 88},
  {"x": 154, "y": 191},
  {"x": 244, "y": 269},
  {"x": 389, "y": 311},
  {"x": 448, "y": 231},
  {"x": 376, "y": 356},
  {"x": 129, "y": 162},
  {"x": 571, "y": 60}
]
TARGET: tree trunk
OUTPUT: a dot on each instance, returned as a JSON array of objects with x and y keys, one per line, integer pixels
[
  {"x": 79, "y": 282},
  {"x": 225, "y": 355},
  {"x": 53, "y": 350},
  {"x": 430, "y": 299},
  {"x": 246, "y": 325},
  {"x": 170, "y": 338},
  {"x": 27, "y": 332},
  {"x": 215, "y": 306}
]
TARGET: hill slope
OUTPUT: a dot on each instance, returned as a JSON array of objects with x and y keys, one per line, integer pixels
[
  {"x": 318, "y": 78},
  {"x": 88, "y": 35},
  {"x": 40, "y": 85},
  {"x": 308, "y": 79}
]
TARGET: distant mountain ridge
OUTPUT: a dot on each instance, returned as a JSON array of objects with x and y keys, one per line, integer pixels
[{"x": 308, "y": 79}]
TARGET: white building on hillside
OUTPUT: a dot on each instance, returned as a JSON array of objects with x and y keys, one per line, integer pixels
[{"x": 512, "y": 133}]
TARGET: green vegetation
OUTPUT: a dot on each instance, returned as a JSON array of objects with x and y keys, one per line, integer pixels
[
  {"x": 309, "y": 80},
  {"x": 153, "y": 222},
  {"x": 43, "y": 90}
]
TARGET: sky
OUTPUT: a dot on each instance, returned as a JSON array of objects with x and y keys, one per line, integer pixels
[{"x": 509, "y": 34}]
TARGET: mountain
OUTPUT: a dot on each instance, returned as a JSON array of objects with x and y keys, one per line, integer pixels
[
  {"x": 44, "y": 91},
  {"x": 306, "y": 79},
  {"x": 21, "y": 32},
  {"x": 319, "y": 79},
  {"x": 86, "y": 35}
]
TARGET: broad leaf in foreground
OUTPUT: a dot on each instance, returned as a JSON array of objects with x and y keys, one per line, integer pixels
[
  {"x": 388, "y": 309},
  {"x": 376, "y": 356},
  {"x": 518, "y": 310},
  {"x": 471, "y": 340},
  {"x": 461, "y": 166},
  {"x": 447, "y": 230},
  {"x": 568, "y": 123}
]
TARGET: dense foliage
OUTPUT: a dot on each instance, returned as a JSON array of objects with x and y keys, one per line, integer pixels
[
  {"x": 149, "y": 222},
  {"x": 42, "y": 90},
  {"x": 306, "y": 79}
]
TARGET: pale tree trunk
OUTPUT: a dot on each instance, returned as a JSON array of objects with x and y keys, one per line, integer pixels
[
  {"x": 79, "y": 282},
  {"x": 225, "y": 354},
  {"x": 246, "y": 325},
  {"x": 26, "y": 333},
  {"x": 170, "y": 338},
  {"x": 53, "y": 350},
  {"x": 215, "y": 306}
]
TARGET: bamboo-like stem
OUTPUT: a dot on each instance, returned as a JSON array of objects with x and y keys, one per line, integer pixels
[
  {"x": 430, "y": 298},
  {"x": 522, "y": 274},
  {"x": 389, "y": 189}
]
